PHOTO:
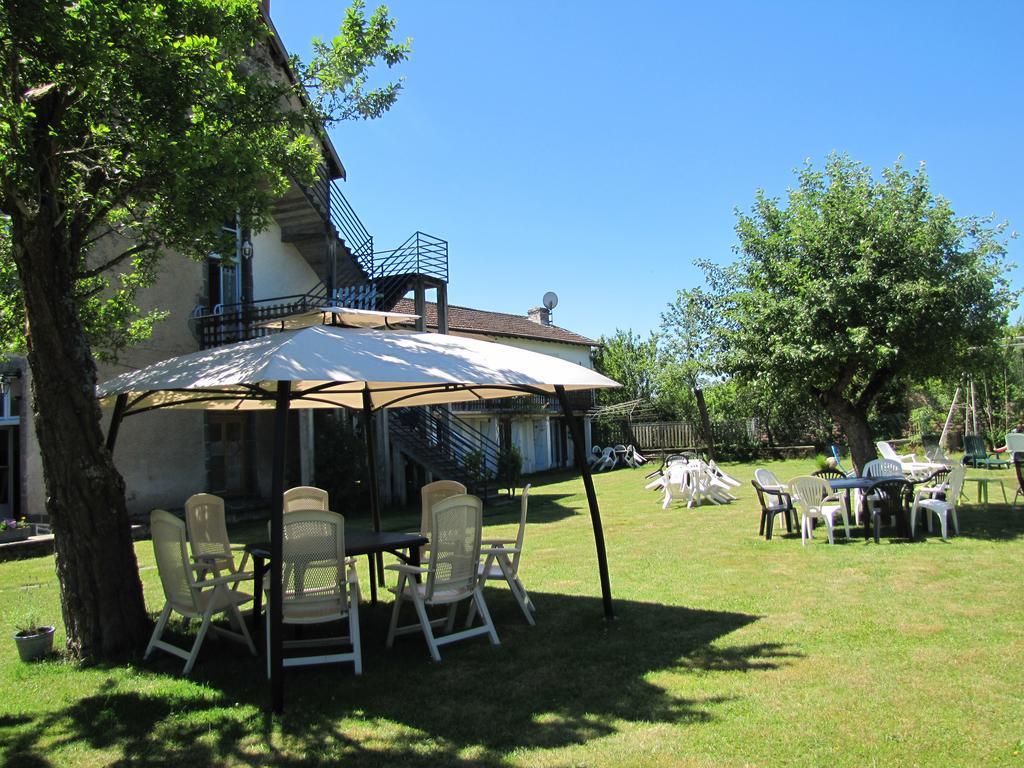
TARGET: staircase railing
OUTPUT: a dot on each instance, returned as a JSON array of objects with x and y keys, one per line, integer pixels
[
  {"x": 490, "y": 449},
  {"x": 458, "y": 449},
  {"x": 327, "y": 196},
  {"x": 421, "y": 254},
  {"x": 345, "y": 220}
]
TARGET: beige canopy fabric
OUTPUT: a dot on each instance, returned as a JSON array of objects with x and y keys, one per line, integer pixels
[
  {"x": 332, "y": 367},
  {"x": 323, "y": 366}
]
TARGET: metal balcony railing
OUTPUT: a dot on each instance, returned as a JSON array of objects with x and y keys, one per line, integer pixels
[{"x": 228, "y": 323}]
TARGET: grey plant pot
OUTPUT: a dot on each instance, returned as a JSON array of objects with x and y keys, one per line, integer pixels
[{"x": 35, "y": 646}]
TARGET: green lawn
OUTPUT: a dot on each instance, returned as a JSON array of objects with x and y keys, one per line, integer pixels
[{"x": 727, "y": 650}]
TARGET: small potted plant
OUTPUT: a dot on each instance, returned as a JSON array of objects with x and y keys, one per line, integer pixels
[
  {"x": 33, "y": 641},
  {"x": 13, "y": 530}
]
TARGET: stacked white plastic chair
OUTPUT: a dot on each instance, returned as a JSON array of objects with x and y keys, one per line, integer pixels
[
  {"x": 813, "y": 497},
  {"x": 678, "y": 484},
  {"x": 606, "y": 460},
  {"x": 693, "y": 482},
  {"x": 450, "y": 576},
  {"x": 192, "y": 598}
]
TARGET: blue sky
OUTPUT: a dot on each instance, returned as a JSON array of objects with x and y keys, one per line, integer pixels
[{"x": 597, "y": 149}]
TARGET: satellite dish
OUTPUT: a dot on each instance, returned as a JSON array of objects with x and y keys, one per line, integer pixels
[{"x": 550, "y": 300}]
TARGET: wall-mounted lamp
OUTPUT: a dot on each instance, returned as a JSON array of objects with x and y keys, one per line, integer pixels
[
  {"x": 247, "y": 249},
  {"x": 5, "y": 381}
]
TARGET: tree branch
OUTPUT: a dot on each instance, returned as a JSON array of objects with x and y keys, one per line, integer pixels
[
  {"x": 119, "y": 259},
  {"x": 879, "y": 379}
]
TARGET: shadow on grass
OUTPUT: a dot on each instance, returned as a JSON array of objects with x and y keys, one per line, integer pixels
[
  {"x": 998, "y": 523},
  {"x": 572, "y": 678}
]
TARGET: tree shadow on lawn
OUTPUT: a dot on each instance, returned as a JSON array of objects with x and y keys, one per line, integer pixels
[
  {"x": 998, "y": 523},
  {"x": 570, "y": 679},
  {"x": 543, "y": 508}
]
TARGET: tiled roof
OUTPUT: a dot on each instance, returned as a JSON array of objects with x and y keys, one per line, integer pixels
[{"x": 469, "y": 320}]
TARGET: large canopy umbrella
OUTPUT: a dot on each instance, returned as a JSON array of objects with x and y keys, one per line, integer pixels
[{"x": 347, "y": 364}]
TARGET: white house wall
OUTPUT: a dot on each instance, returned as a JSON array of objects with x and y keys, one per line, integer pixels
[
  {"x": 574, "y": 353},
  {"x": 278, "y": 269}
]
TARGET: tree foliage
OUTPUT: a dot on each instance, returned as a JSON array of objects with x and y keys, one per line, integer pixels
[
  {"x": 855, "y": 283},
  {"x": 130, "y": 129},
  {"x": 630, "y": 360}
]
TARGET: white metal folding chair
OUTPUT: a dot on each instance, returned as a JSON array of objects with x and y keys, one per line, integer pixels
[
  {"x": 320, "y": 586},
  {"x": 192, "y": 598},
  {"x": 450, "y": 576}
]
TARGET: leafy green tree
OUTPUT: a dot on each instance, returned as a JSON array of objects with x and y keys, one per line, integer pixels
[
  {"x": 689, "y": 351},
  {"x": 127, "y": 130},
  {"x": 630, "y": 360},
  {"x": 856, "y": 283}
]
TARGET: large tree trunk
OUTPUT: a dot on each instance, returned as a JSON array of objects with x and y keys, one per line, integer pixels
[
  {"x": 705, "y": 422},
  {"x": 854, "y": 422},
  {"x": 101, "y": 594}
]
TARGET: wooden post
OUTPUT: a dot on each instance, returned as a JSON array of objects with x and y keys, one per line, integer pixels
[
  {"x": 277, "y": 544},
  {"x": 595, "y": 512}
]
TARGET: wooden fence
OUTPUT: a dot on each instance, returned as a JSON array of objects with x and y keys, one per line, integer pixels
[{"x": 677, "y": 435}]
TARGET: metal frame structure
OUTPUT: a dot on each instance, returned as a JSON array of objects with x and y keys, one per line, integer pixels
[{"x": 285, "y": 396}]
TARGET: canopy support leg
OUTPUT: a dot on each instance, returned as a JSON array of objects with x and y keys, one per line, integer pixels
[
  {"x": 595, "y": 512},
  {"x": 115, "y": 420},
  {"x": 277, "y": 545},
  {"x": 371, "y": 471}
]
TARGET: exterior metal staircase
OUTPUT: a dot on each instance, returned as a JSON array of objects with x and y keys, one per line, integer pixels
[
  {"x": 322, "y": 226},
  {"x": 421, "y": 258},
  {"x": 446, "y": 446}
]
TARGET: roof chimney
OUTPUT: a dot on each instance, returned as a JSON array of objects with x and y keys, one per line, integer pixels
[{"x": 540, "y": 315}]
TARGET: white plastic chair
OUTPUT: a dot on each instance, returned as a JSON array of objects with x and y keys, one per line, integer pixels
[
  {"x": 208, "y": 538},
  {"x": 431, "y": 494},
  {"x": 811, "y": 496},
  {"x": 605, "y": 461},
  {"x": 319, "y": 586},
  {"x": 501, "y": 561},
  {"x": 909, "y": 463},
  {"x": 942, "y": 509},
  {"x": 888, "y": 452},
  {"x": 306, "y": 498},
  {"x": 633, "y": 457},
  {"x": 883, "y": 468},
  {"x": 186, "y": 595},
  {"x": 677, "y": 484},
  {"x": 450, "y": 576}
]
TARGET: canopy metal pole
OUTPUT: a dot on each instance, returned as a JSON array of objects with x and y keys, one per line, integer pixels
[
  {"x": 277, "y": 544},
  {"x": 595, "y": 512},
  {"x": 371, "y": 471},
  {"x": 115, "y": 420}
]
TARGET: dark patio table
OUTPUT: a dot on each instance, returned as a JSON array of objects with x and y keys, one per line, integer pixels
[
  {"x": 864, "y": 484},
  {"x": 404, "y": 546}
]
